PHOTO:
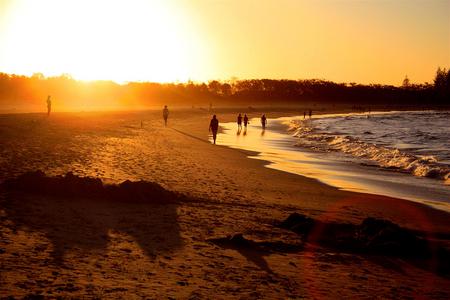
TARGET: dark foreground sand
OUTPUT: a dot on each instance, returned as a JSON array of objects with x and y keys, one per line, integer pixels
[{"x": 79, "y": 246}]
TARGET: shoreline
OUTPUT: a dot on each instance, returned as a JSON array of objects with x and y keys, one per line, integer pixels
[
  {"x": 371, "y": 198},
  {"x": 274, "y": 146}
]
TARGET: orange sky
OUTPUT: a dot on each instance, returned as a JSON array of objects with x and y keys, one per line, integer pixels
[{"x": 340, "y": 40}]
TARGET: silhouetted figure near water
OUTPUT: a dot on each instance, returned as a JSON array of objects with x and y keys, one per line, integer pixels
[
  {"x": 165, "y": 114},
  {"x": 304, "y": 115},
  {"x": 49, "y": 105},
  {"x": 310, "y": 114},
  {"x": 214, "y": 127},
  {"x": 239, "y": 121},
  {"x": 245, "y": 120},
  {"x": 263, "y": 121}
]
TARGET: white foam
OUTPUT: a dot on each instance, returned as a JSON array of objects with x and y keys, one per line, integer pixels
[{"x": 314, "y": 137}]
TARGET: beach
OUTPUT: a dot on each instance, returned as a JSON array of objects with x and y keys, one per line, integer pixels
[{"x": 134, "y": 250}]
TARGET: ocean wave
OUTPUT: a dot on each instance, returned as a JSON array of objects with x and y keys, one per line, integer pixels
[{"x": 385, "y": 157}]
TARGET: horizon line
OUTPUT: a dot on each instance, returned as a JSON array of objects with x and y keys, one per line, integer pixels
[{"x": 230, "y": 79}]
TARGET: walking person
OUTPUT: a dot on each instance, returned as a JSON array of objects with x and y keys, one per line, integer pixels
[
  {"x": 310, "y": 113},
  {"x": 214, "y": 127},
  {"x": 165, "y": 115},
  {"x": 245, "y": 120},
  {"x": 239, "y": 121},
  {"x": 263, "y": 121},
  {"x": 49, "y": 105}
]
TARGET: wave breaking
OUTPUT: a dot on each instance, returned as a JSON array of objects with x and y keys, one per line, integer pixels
[{"x": 311, "y": 137}]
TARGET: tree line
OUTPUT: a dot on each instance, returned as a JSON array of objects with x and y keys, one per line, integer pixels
[{"x": 20, "y": 92}]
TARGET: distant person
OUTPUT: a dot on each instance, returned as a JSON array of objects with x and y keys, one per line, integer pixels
[
  {"x": 304, "y": 115},
  {"x": 239, "y": 121},
  {"x": 214, "y": 127},
  {"x": 245, "y": 120},
  {"x": 263, "y": 121},
  {"x": 49, "y": 105},
  {"x": 165, "y": 114},
  {"x": 310, "y": 114}
]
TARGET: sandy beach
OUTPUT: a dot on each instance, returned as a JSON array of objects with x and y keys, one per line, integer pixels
[{"x": 80, "y": 247}]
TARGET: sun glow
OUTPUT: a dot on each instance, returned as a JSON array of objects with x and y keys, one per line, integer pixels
[
  {"x": 178, "y": 40},
  {"x": 114, "y": 40}
]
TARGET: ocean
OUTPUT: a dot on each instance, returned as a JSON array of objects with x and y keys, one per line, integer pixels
[{"x": 399, "y": 154}]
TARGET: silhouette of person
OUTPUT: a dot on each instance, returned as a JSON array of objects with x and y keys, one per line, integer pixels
[
  {"x": 165, "y": 114},
  {"x": 213, "y": 127},
  {"x": 239, "y": 121},
  {"x": 49, "y": 105},
  {"x": 304, "y": 115},
  {"x": 310, "y": 113},
  {"x": 263, "y": 121},
  {"x": 245, "y": 120}
]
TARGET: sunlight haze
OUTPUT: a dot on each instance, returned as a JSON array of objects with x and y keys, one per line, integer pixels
[{"x": 200, "y": 40}]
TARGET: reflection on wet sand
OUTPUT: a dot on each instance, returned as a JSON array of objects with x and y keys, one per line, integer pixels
[{"x": 275, "y": 145}]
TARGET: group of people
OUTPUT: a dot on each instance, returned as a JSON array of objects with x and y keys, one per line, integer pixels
[
  {"x": 214, "y": 124},
  {"x": 246, "y": 122}
]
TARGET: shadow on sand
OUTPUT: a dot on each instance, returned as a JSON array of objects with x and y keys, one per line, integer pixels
[
  {"x": 82, "y": 213},
  {"x": 255, "y": 251}
]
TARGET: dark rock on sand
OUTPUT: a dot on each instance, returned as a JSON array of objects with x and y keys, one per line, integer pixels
[
  {"x": 385, "y": 237},
  {"x": 373, "y": 236},
  {"x": 298, "y": 223}
]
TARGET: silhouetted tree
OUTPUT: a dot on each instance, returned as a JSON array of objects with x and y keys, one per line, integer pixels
[
  {"x": 442, "y": 86},
  {"x": 406, "y": 82}
]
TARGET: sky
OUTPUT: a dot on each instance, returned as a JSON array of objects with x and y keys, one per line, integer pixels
[{"x": 362, "y": 41}]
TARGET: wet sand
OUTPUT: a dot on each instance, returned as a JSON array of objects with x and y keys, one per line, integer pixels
[
  {"x": 276, "y": 145},
  {"x": 141, "y": 250}
]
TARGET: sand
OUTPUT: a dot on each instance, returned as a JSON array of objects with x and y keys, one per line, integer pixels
[{"x": 78, "y": 247}]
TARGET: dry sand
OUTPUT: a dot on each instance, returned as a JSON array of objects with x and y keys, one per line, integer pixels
[{"x": 79, "y": 247}]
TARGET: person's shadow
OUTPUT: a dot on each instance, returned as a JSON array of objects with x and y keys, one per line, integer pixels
[
  {"x": 255, "y": 251},
  {"x": 71, "y": 220}
]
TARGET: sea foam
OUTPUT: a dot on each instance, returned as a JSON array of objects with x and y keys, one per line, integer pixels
[{"x": 375, "y": 138}]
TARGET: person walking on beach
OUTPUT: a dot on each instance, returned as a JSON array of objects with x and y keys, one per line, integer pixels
[
  {"x": 165, "y": 115},
  {"x": 263, "y": 121},
  {"x": 49, "y": 105},
  {"x": 310, "y": 113},
  {"x": 239, "y": 121},
  {"x": 214, "y": 127},
  {"x": 304, "y": 115},
  {"x": 245, "y": 120}
]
